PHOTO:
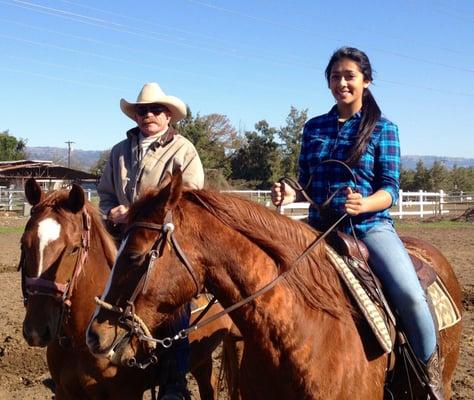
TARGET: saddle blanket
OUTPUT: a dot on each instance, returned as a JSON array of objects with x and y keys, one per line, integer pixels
[{"x": 447, "y": 313}]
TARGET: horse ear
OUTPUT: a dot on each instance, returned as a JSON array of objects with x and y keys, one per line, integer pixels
[
  {"x": 33, "y": 192},
  {"x": 174, "y": 189},
  {"x": 76, "y": 198}
]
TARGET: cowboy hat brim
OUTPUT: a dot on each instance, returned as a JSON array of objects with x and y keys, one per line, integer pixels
[
  {"x": 151, "y": 93},
  {"x": 178, "y": 111}
]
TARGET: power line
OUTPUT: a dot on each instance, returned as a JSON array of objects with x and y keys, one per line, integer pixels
[
  {"x": 103, "y": 23},
  {"x": 302, "y": 30},
  {"x": 113, "y": 59},
  {"x": 150, "y": 35}
]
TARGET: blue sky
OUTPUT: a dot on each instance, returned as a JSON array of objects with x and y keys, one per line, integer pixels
[{"x": 66, "y": 64}]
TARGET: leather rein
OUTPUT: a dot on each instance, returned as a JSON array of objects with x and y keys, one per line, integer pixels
[{"x": 136, "y": 325}]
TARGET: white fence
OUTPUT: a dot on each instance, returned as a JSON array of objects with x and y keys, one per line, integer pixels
[
  {"x": 418, "y": 204},
  {"x": 14, "y": 200}
]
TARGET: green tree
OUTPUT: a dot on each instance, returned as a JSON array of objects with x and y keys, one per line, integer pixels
[
  {"x": 438, "y": 176},
  {"x": 421, "y": 179},
  {"x": 291, "y": 135},
  {"x": 407, "y": 177},
  {"x": 258, "y": 161},
  {"x": 215, "y": 140},
  {"x": 11, "y": 148},
  {"x": 99, "y": 166},
  {"x": 461, "y": 179}
]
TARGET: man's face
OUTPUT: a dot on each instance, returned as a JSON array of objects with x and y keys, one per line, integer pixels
[{"x": 152, "y": 118}]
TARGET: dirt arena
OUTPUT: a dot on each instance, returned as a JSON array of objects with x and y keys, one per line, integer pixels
[{"x": 23, "y": 370}]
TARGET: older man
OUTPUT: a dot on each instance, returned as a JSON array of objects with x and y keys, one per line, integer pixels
[
  {"x": 150, "y": 150},
  {"x": 141, "y": 160}
]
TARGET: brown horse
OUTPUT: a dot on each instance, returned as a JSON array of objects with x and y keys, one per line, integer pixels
[
  {"x": 67, "y": 256},
  {"x": 303, "y": 338}
]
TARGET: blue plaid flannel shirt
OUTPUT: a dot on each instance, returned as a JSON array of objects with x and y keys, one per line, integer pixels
[{"x": 378, "y": 168}]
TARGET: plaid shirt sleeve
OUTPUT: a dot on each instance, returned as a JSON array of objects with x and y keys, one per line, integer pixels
[
  {"x": 388, "y": 160},
  {"x": 303, "y": 169}
]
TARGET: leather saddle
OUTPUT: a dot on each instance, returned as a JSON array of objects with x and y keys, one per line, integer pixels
[{"x": 347, "y": 246}]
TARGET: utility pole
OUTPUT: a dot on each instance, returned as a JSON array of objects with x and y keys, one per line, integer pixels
[{"x": 69, "y": 149}]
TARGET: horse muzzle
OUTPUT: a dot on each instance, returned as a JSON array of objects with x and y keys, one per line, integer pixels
[
  {"x": 108, "y": 341},
  {"x": 37, "y": 336}
]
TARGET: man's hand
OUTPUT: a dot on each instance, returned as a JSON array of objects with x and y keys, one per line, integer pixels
[{"x": 118, "y": 215}]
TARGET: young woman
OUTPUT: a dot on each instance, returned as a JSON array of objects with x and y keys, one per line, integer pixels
[{"x": 354, "y": 131}]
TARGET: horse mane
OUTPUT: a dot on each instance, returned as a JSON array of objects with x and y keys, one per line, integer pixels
[
  {"x": 313, "y": 280},
  {"x": 58, "y": 200}
]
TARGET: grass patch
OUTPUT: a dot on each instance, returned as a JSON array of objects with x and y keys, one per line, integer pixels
[{"x": 11, "y": 229}]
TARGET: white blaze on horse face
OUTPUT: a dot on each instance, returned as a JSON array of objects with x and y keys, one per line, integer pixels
[{"x": 48, "y": 231}]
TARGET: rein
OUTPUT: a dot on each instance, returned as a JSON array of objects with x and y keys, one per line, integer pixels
[
  {"x": 136, "y": 324},
  {"x": 139, "y": 328}
]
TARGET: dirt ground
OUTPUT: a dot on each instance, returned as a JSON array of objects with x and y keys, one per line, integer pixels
[{"x": 23, "y": 370}]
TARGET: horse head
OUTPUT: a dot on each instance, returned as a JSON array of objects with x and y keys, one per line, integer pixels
[
  {"x": 51, "y": 246},
  {"x": 151, "y": 279}
]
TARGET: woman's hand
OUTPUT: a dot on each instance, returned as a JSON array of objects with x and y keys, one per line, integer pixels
[
  {"x": 282, "y": 194},
  {"x": 355, "y": 203}
]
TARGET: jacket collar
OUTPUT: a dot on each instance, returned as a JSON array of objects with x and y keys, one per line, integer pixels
[{"x": 162, "y": 141}]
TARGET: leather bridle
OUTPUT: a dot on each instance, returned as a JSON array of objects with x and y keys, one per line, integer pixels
[
  {"x": 137, "y": 327},
  {"x": 60, "y": 292}
]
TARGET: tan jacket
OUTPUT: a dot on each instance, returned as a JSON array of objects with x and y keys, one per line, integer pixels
[{"x": 125, "y": 177}]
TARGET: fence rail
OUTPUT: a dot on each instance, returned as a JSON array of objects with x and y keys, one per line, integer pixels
[
  {"x": 418, "y": 204},
  {"x": 14, "y": 200}
]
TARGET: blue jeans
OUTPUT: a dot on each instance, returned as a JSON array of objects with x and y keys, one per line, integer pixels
[
  {"x": 393, "y": 266},
  {"x": 181, "y": 349}
]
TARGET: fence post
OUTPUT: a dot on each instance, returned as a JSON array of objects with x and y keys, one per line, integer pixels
[
  {"x": 421, "y": 203},
  {"x": 10, "y": 200},
  {"x": 400, "y": 204},
  {"x": 441, "y": 201},
  {"x": 89, "y": 194}
]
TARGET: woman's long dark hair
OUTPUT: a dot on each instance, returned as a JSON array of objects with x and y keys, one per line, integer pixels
[{"x": 370, "y": 110}]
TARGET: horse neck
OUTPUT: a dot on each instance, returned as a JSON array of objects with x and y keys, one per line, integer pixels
[
  {"x": 237, "y": 268},
  {"x": 281, "y": 331}
]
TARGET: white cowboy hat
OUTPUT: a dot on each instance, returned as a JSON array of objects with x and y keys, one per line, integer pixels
[{"x": 151, "y": 93}]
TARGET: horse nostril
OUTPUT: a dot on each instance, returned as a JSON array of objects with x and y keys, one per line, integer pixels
[
  {"x": 92, "y": 340},
  {"x": 36, "y": 338}
]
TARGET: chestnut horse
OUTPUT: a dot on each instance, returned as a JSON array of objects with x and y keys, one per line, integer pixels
[
  {"x": 67, "y": 256},
  {"x": 303, "y": 339}
]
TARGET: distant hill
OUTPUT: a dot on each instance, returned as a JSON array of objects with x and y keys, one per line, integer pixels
[
  {"x": 85, "y": 159},
  {"x": 409, "y": 162},
  {"x": 80, "y": 159}
]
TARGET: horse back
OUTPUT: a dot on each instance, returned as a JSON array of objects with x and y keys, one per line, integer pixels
[{"x": 432, "y": 256}]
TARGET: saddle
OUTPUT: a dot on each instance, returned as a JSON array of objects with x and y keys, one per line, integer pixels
[
  {"x": 347, "y": 246},
  {"x": 350, "y": 258}
]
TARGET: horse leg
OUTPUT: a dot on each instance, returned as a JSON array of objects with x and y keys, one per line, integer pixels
[
  {"x": 232, "y": 351},
  {"x": 206, "y": 379}
]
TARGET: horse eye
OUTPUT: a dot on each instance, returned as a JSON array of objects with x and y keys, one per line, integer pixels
[{"x": 134, "y": 257}]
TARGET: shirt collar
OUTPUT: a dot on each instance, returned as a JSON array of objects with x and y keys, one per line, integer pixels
[{"x": 334, "y": 114}]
